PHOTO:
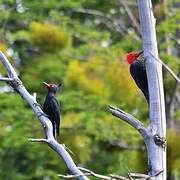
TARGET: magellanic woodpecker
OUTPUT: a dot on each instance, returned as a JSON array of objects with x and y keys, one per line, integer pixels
[
  {"x": 138, "y": 72},
  {"x": 51, "y": 107}
]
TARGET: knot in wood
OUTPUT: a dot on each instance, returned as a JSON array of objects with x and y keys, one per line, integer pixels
[
  {"x": 15, "y": 83},
  {"x": 160, "y": 141}
]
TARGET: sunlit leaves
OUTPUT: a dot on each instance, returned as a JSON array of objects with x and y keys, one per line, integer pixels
[{"x": 48, "y": 37}]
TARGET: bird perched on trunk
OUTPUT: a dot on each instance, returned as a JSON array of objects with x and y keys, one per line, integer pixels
[
  {"x": 51, "y": 107},
  {"x": 138, "y": 72}
]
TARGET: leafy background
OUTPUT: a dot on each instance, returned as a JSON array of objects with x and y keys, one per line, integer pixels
[{"x": 75, "y": 43}]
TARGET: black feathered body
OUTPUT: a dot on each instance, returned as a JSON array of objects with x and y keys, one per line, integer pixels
[
  {"x": 138, "y": 72},
  {"x": 52, "y": 108}
]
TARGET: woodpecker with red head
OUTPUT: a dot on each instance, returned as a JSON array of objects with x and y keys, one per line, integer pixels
[
  {"x": 138, "y": 72},
  {"x": 51, "y": 107}
]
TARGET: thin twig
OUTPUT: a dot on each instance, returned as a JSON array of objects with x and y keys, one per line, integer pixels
[
  {"x": 72, "y": 176},
  {"x": 130, "y": 120},
  {"x": 95, "y": 174},
  {"x": 167, "y": 67},
  {"x": 130, "y": 15},
  {"x": 5, "y": 79},
  {"x": 38, "y": 140},
  {"x": 143, "y": 176},
  {"x": 111, "y": 177}
]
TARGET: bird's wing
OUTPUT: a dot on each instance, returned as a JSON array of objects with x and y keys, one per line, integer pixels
[
  {"x": 138, "y": 72},
  {"x": 55, "y": 113}
]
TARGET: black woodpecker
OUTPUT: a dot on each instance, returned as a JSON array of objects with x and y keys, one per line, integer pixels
[
  {"x": 138, "y": 72},
  {"x": 51, "y": 107}
]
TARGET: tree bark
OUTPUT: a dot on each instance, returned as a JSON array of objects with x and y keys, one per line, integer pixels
[{"x": 156, "y": 153}]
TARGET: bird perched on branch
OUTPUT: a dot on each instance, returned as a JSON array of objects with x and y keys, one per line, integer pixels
[
  {"x": 138, "y": 72},
  {"x": 51, "y": 107}
]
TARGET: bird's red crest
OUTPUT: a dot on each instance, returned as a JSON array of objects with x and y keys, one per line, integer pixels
[
  {"x": 50, "y": 86},
  {"x": 131, "y": 57}
]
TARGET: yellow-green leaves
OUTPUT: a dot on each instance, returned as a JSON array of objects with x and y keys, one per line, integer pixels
[{"x": 48, "y": 37}]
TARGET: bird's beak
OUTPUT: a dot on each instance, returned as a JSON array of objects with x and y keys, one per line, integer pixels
[{"x": 46, "y": 84}]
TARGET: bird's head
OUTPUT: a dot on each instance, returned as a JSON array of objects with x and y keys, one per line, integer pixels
[
  {"x": 52, "y": 87},
  {"x": 132, "y": 56}
]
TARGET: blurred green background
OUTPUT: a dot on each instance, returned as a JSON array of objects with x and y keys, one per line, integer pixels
[{"x": 82, "y": 44}]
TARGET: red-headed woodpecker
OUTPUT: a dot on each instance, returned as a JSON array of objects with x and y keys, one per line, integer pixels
[{"x": 138, "y": 72}]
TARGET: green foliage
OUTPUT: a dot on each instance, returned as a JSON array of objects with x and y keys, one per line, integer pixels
[
  {"x": 48, "y": 37},
  {"x": 173, "y": 154}
]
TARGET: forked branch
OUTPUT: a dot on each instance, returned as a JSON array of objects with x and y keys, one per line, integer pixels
[
  {"x": 14, "y": 81},
  {"x": 138, "y": 125}
]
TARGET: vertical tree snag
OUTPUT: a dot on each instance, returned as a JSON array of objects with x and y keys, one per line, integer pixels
[
  {"x": 154, "y": 135},
  {"x": 156, "y": 151}
]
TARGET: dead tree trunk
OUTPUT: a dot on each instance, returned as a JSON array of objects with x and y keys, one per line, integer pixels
[{"x": 156, "y": 152}]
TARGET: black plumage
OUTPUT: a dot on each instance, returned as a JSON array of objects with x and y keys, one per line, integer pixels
[
  {"x": 138, "y": 72},
  {"x": 51, "y": 107}
]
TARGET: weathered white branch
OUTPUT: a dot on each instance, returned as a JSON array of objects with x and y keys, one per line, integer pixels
[
  {"x": 46, "y": 123},
  {"x": 94, "y": 174},
  {"x": 5, "y": 79},
  {"x": 111, "y": 177},
  {"x": 38, "y": 140},
  {"x": 143, "y": 176},
  {"x": 138, "y": 125},
  {"x": 167, "y": 68},
  {"x": 131, "y": 176},
  {"x": 10, "y": 70},
  {"x": 72, "y": 176}
]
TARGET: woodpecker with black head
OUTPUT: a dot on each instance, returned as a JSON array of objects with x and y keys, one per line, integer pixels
[
  {"x": 51, "y": 107},
  {"x": 138, "y": 72}
]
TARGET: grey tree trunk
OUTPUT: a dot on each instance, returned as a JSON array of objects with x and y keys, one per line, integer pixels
[{"x": 156, "y": 152}]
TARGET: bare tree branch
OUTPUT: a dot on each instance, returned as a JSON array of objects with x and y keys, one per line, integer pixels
[
  {"x": 131, "y": 176},
  {"x": 5, "y": 79},
  {"x": 130, "y": 15},
  {"x": 94, "y": 174},
  {"x": 143, "y": 176},
  {"x": 46, "y": 123},
  {"x": 72, "y": 176},
  {"x": 167, "y": 67},
  {"x": 130, "y": 120},
  {"x": 38, "y": 140},
  {"x": 110, "y": 177}
]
